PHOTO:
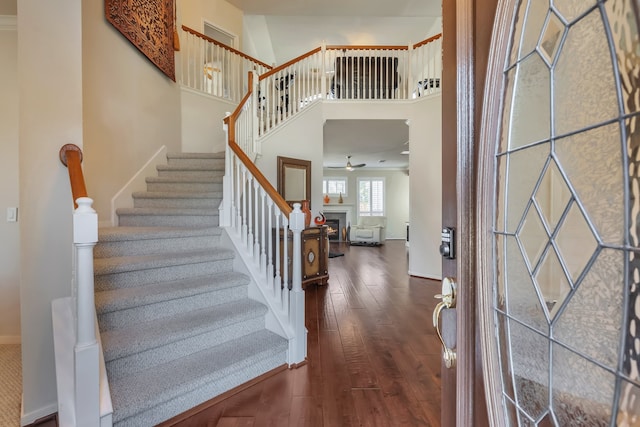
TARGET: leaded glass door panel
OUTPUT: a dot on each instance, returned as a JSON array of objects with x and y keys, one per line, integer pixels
[{"x": 560, "y": 199}]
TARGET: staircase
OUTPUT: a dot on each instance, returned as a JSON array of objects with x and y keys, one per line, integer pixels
[{"x": 176, "y": 324}]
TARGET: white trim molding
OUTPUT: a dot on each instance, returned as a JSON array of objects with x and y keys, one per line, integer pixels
[{"x": 8, "y": 23}]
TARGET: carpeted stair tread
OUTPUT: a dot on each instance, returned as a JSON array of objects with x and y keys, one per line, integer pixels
[
  {"x": 176, "y": 195},
  {"x": 213, "y": 178},
  {"x": 123, "y": 342},
  {"x": 163, "y": 383},
  {"x": 185, "y": 155},
  {"x": 144, "y": 262},
  {"x": 211, "y": 166},
  {"x": 123, "y": 233},
  {"x": 125, "y": 298},
  {"x": 167, "y": 211}
]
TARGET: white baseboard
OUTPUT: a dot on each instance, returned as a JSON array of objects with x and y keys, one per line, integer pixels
[
  {"x": 123, "y": 198},
  {"x": 425, "y": 276},
  {"x": 31, "y": 417},
  {"x": 10, "y": 339}
]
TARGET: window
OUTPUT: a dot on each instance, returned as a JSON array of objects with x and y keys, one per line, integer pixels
[
  {"x": 371, "y": 196},
  {"x": 334, "y": 186}
]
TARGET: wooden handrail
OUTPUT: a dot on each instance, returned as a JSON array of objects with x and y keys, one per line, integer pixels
[
  {"x": 427, "y": 41},
  {"x": 286, "y": 64},
  {"x": 365, "y": 47},
  {"x": 71, "y": 157},
  {"x": 230, "y": 121},
  {"x": 224, "y": 46}
]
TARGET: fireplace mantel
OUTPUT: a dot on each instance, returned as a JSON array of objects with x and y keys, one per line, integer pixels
[{"x": 346, "y": 208}]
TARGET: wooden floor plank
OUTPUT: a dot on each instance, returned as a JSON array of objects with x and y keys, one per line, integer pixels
[{"x": 373, "y": 356}]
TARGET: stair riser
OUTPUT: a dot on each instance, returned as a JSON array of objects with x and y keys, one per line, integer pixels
[
  {"x": 144, "y": 277},
  {"x": 234, "y": 376},
  {"x": 185, "y": 187},
  {"x": 133, "y": 316},
  {"x": 213, "y": 164},
  {"x": 144, "y": 360},
  {"x": 155, "y": 246},
  {"x": 216, "y": 176},
  {"x": 195, "y": 203},
  {"x": 128, "y": 220}
]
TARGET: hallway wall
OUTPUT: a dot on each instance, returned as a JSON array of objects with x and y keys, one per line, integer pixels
[{"x": 9, "y": 197}]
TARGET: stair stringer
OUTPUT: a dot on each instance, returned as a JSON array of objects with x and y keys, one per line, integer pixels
[{"x": 276, "y": 319}]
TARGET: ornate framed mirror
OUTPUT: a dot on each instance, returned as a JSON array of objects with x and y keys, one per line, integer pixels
[{"x": 294, "y": 179}]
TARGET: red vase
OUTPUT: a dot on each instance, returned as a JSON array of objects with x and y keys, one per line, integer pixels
[{"x": 307, "y": 213}]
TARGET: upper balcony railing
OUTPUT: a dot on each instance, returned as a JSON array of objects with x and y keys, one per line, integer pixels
[
  {"x": 335, "y": 73},
  {"x": 214, "y": 68}
]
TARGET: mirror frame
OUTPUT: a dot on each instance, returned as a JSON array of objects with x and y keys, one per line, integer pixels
[{"x": 288, "y": 162}]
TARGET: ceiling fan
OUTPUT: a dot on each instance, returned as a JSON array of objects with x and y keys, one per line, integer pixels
[{"x": 349, "y": 166}]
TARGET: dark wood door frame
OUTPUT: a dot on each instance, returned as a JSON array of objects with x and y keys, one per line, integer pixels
[{"x": 467, "y": 26}]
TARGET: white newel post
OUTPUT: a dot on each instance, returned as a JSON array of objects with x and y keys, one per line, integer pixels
[
  {"x": 297, "y": 345},
  {"x": 225, "y": 208},
  {"x": 87, "y": 367}
]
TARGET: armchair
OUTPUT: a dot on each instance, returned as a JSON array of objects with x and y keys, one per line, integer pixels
[{"x": 370, "y": 230}]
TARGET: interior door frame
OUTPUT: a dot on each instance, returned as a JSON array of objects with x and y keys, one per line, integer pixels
[{"x": 467, "y": 29}]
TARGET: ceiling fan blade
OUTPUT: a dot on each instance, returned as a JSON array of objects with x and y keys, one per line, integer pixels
[{"x": 359, "y": 166}]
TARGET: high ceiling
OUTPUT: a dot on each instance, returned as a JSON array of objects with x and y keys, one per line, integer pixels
[{"x": 280, "y": 30}]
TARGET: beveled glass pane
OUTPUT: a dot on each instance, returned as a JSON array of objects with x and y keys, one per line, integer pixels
[
  {"x": 501, "y": 260},
  {"x": 551, "y": 37},
  {"x": 629, "y": 404},
  {"x": 533, "y": 237},
  {"x": 585, "y": 92},
  {"x": 503, "y": 146},
  {"x": 501, "y": 186},
  {"x": 571, "y": 9},
  {"x": 546, "y": 421},
  {"x": 525, "y": 168},
  {"x": 511, "y": 413},
  {"x": 552, "y": 196},
  {"x": 593, "y": 163},
  {"x": 531, "y": 114},
  {"x": 631, "y": 349},
  {"x": 592, "y": 321},
  {"x": 582, "y": 392},
  {"x": 552, "y": 282},
  {"x": 575, "y": 242},
  {"x": 517, "y": 32},
  {"x": 533, "y": 27},
  {"x": 526, "y": 421},
  {"x": 507, "y": 380},
  {"x": 523, "y": 302},
  {"x": 530, "y": 356},
  {"x": 624, "y": 30}
]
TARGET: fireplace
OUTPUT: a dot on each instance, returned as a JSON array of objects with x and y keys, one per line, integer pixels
[
  {"x": 336, "y": 221},
  {"x": 333, "y": 230}
]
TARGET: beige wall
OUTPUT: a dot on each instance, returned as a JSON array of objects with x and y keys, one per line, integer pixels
[
  {"x": 221, "y": 14},
  {"x": 131, "y": 108},
  {"x": 50, "y": 115},
  {"x": 10, "y": 231}
]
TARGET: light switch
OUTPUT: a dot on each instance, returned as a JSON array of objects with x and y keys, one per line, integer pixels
[{"x": 12, "y": 214}]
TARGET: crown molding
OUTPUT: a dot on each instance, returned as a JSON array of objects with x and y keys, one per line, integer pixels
[{"x": 8, "y": 22}]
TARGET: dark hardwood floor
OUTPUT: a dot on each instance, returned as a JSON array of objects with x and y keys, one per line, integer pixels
[{"x": 373, "y": 356}]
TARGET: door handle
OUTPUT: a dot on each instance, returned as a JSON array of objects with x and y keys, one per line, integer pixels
[{"x": 448, "y": 298}]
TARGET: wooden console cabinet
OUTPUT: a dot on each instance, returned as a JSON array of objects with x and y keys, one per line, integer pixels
[{"x": 315, "y": 255}]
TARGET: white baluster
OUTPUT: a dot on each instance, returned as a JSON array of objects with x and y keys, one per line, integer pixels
[
  {"x": 263, "y": 240},
  {"x": 256, "y": 223},
  {"x": 269, "y": 273},
  {"x": 277, "y": 280},
  {"x": 244, "y": 207},
  {"x": 285, "y": 260},
  {"x": 249, "y": 244}
]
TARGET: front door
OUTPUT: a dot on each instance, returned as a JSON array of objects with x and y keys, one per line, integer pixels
[{"x": 558, "y": 205}]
